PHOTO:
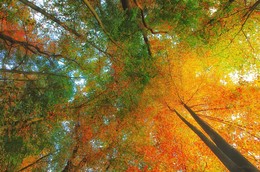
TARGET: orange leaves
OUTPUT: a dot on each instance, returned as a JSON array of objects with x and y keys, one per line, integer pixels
[
  {"x": 150, "y": 152},
  {"x": 195, "y": 78},
  {"x": 28, "y": 160},
  {"x": 133, "y": 169},
  {"x": 149, "y": 131},
  {"x": 87, "y": 133},
  {"x": 162, "y": 147},
  {"x": 157, "y": 45}
]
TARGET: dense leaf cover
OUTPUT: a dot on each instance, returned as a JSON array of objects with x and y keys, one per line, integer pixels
[{"x": 129, "y": 85}]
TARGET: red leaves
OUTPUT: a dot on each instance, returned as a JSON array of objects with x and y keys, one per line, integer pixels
[
  {"x": 133, "y": 169},
  {"x": 11, "y": 29}
]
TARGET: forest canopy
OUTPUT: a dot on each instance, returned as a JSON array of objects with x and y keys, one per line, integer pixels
[{"x": 130, "y": 85}]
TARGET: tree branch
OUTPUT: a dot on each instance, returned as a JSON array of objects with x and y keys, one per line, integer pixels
[
  {"x": 62, "y": 24},
  {"x": 246, "y": 16},
  {"x": 99, "y": 21},
  {"x": 51, "y": 17},
  {"x": 38, "y": 73},
  {"x": 144, "y": 23},
  {"x": 35, "y": 162},
  {"x": 69, "y": 165},
  {"x": 32, "y": 48},
  {"x": 230, "y": 123}
]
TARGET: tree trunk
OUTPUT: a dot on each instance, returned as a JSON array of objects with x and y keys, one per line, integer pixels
[{"x": 231, "y": 152}]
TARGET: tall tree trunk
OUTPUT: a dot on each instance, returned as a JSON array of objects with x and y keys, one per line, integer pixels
[
  {"x": 127, "y": 6},
  {"x": 231, "y": 152},
  {"x": 231, "y": 166}
]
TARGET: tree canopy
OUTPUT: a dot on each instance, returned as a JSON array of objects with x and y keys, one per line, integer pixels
[{"x": 129, "y": 85}]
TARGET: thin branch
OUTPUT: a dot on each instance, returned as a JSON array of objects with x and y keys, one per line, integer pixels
[
  {"x": 99, "y": 21},
  {"x": 62, "y": 24},
  {"x": 32, "y": 48},
  {"x": 51, "y": 17},
  {"x": 230, "y": 123},
  {"x": 195, "y": 92},
  {"x": 35, "y": 162},
  {"x": 252, "y": 8},
  {"x": 35, "y": 50},
  {"x": 38, "y": 73},
  {"x": 69, "y": 165},
  {"x": 212, "y": 109},
  {"x": 86, "y": 103},
  {"x": 144, "y": 24},
  {"x": 17, "y": 80},
  {"x": 81, "y": 163},
  {"x": 247, "y": 39},
  {"x": 22, "y": 61},
  {"x": 246, "y": 16},
  {"x": 146, "y": 40},
  {"x": 202, "y": 104}
]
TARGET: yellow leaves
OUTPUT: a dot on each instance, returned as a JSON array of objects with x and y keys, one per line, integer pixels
[
  {"x": 201, "y": 79},
  {"x": 30, "y": 161}
]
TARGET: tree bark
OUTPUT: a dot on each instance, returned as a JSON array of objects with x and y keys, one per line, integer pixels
[
  {"x": 127, "y": 6},
  {"x": 231, "y": 152},
  {"x": 231, "y": 166}
]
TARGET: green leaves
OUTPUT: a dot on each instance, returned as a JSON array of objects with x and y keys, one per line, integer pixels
[
  {"x": 75, "y": 80},
  {"x": 13, "y": 144}
]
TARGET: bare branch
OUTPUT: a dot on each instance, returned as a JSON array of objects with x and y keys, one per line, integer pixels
[
  {"x": 231, "y": 123},
  {"x": 32, "y": 48},
  {"x": 35, "y": 162},
  {"x": 144, "y": 22},
  {"x": 38, "y": 73}
]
